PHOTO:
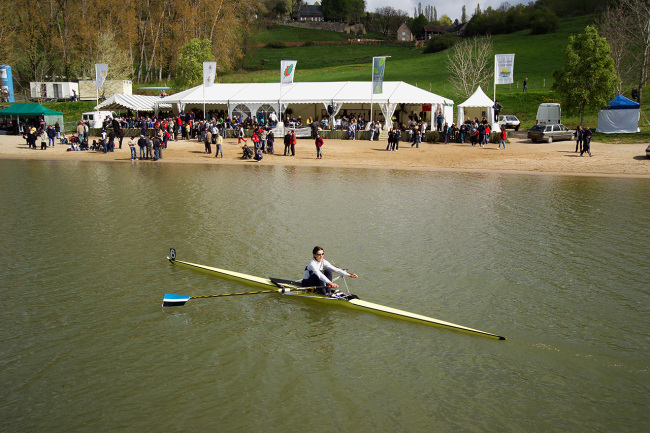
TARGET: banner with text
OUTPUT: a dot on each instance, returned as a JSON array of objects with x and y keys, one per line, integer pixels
[
  {"x": 287, "y": 70},
  {"x": 101, "y": 69},
  {"x": 504, "y": 66},
  {"x": 378, "y": 65},
  {"x": 209, "y": 73}
]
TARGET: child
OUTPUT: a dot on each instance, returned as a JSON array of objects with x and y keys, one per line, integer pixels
[{"x": 43, "y": 139}]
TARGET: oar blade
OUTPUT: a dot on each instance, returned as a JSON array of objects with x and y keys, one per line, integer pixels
[{"x": 170, "y": 300}]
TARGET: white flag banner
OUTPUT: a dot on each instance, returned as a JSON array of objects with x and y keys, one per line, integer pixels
[
  {"x": 287, "y": 69},
  {"x": 504, "y": 66},
  {"x": 101, "y": 69},
  {"x": 209, "y": 73}
]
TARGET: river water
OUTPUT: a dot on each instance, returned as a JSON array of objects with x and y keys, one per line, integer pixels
[{"x": 557, "y": 264}]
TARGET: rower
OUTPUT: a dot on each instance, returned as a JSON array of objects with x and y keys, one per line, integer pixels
[{"x": 318, "y": 272}]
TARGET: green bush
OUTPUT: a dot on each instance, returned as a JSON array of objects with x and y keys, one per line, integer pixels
[
  {"x": 440, "y": 43},
  {"x": 543, "y": 21}
]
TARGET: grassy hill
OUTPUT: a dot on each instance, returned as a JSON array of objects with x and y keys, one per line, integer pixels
[{"x": 536, "y": 56}]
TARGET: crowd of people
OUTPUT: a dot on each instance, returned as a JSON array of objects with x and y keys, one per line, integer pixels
[{"x": 46, "y": 133}]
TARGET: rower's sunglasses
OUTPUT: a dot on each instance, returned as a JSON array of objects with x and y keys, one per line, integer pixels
[{"x": 321, "y": 254}]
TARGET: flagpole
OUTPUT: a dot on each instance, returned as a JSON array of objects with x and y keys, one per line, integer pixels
[{"x": 372, "y": 86}]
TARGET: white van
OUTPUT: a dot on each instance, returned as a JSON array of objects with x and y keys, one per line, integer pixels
[
  {"x": 549, "y": 113},
  {"x": 95, "y": 119}
]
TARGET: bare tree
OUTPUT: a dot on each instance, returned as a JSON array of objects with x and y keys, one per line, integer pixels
[
  {"x": 639, "y": 33},
  {"x": 470, "y": 64},
  {"x": 610, "y": 24},
  {"x": 388, "y": 19}
]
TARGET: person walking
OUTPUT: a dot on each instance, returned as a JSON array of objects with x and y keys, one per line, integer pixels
[
  {"x": 319, "y": 145},
  {"x": 579, "y": 137},
  {"x": 391, "y": 139},
  {"x": 525, "y": 84},
  {"x": 241, "y": 135},
  {"x": 586, "y": 145},
  {"x": 502, "y": 139}
]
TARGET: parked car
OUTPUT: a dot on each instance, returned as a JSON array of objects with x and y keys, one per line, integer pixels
[
  {"x": 549, "y": 132},
  {"x": 509, "y": 121},
  {"x": 647, "y": 152}
]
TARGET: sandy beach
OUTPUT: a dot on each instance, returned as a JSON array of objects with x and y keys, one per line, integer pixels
[{"x": 521, "y": 156}]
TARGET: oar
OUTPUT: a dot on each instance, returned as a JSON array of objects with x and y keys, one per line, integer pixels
[{"x": 171, "y": 300}]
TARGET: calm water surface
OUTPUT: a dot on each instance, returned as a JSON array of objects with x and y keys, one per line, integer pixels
[{"x": 557, "y": 264}]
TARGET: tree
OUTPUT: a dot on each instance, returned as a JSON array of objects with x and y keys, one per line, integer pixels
[
  {"x": 609, "y": 25},
  {"x": 417, "y": 26},
  {"x": 190, "y": 62},
  {"x": 543, "y": 21},
  {"x": 387, "y": 19},
  {"x": 588, "y": 78},
  {"x": 463, "y": 15},
  {"x": 470, "y": 64},
  {"x": 639, "y": 11},
  {"x": 108, "y": 51},
  {"x": 445, "y": 21}
]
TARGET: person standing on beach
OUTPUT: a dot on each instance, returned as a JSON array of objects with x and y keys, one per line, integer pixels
[
  {"x": 80, "y": 132},
  {"x": 51, "y": 135},
  {"x": 142, "y": 144},
  {"x": 319, "y": 145},
  {"x": 294, "y": 141},
  {"x": 134, "y": 155},
  {"x": 287, "y": 143},
  {"x": 579, "y": 137},
  {"x": 586, "y": 145},
  {"x": 218, "y": 150},
  {"x": 43, "y": 139},
  {"x": 207, "y": 141},
  {"x": 270, "y": 139}
]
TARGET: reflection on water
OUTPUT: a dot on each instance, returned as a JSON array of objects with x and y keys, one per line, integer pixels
[{"x": 557, "y": 264}]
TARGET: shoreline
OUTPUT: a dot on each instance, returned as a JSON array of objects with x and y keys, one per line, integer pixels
[{"x": 520, "y": 157}]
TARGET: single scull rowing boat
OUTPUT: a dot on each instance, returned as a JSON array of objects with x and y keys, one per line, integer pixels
[{"x": 292, "y": 288}]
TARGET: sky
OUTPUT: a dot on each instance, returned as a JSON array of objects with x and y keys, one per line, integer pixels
[{"x": 452, "y": 8}]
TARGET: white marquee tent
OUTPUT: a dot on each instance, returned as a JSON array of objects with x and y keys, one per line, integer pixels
[
  {"x": 131, "y": 102},
  {"x": 621, "y": 115},
  {"x": 307, "y": 99},
  {"x": 478, "y": 105}
]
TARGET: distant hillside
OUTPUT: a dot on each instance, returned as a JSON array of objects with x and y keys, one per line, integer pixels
[{"x": 536, "y": 56}]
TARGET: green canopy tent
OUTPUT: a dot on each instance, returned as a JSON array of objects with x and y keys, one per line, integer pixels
[{"x": 33, "y": 111}]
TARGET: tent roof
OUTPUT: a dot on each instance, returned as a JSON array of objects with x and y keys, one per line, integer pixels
[
  {"x": 478, "y": 99},
  {"x": 305, "y": 93},
  {"x": 132, "y": 102},
  {"x": 28, "y": 110},
  {"x": 620, "y": 102}
]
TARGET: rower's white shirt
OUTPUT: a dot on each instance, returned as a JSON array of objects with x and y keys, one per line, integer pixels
[{"x": 317, "y": 267}]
